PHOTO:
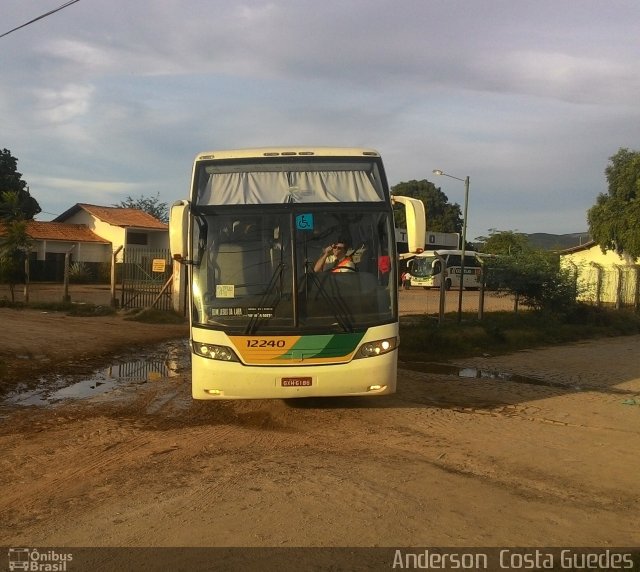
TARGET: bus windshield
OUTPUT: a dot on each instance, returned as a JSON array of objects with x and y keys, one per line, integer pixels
[
  {"x": 254, "y": 269},
  {"x": 422, "y": 265}
]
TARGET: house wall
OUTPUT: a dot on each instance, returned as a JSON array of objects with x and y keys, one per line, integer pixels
[
  {"x": 118, "y": 235},
  {"x": 604, "y": 277},
  {"x": 595, "y": 254},
  {"x": 159, "y": 239},
  {"x": 155, "y": 239},
  {"x": 80, "y": 251},
  {"x": 114, "y": 234}
]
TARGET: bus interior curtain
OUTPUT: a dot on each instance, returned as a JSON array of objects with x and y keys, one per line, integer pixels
[
  {"x": 244, "y": 188},
  {"x": 279, "y": 187},
  {"x": 336, "y": 186}
]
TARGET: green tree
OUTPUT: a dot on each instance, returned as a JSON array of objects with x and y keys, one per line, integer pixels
[
  {"x": 535, "y": 278},
  {"x": 11, "y": 181},
  {"x": 15, "y": 243},
  {"x": 503, "y": 242},
  {"x": 614, "y": 221},
  {"x": 441, "y": 215},
  {"x": 151, "y": 205}
]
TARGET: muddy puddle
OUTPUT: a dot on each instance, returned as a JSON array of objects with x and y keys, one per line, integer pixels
[
  {"x": 150, "y": 365},
  {"x": 170, "y": 359}
]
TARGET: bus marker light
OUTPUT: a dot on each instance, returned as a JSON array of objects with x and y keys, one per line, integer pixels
[
  {"x": 213, "y": 391},
  {"x": 376, "y": 387}
]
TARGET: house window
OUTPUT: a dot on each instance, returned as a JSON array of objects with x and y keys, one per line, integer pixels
[{"x": 137, "y": 238}]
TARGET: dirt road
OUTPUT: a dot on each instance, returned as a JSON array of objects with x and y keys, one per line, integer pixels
[{"x": 449, "y": 460}]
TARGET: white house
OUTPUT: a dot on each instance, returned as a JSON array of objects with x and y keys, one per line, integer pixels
[
  {"x": 604, "y": 277},
  {"x": 90, "y": 234},
  {"x": 125, "y": 227}
]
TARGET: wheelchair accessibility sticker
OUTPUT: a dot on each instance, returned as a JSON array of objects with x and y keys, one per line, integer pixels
[{"x": 304, "y": 221}]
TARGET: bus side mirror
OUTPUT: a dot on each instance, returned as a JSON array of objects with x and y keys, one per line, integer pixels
[
  {"x": 416, "y": 221},
  {"x": 178, "y": 221}
]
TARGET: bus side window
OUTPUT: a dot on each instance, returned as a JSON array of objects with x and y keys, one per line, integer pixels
[{"x": 436, "y": 267}]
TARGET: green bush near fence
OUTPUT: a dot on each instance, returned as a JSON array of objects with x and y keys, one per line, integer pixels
[
  {"x": 79, "y": 273},
  {"x": 422, "y": 338},
  {"x": 535, "y": 278}
]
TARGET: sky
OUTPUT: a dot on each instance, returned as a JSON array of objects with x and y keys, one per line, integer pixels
[{"x": 529, "y": 99}]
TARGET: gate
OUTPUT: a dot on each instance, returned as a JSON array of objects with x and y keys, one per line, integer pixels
[{"x": 146, "y": 276}]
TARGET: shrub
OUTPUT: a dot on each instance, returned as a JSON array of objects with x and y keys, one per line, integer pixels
[
  {"x": 536, "y": 280},
  {"x": 79, "y": 273}
]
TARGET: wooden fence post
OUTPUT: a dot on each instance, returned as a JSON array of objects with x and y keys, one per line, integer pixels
[
  {"x": 26, "y": 279},
  {"x": 481, "y": 293},
  {"x": 442, "y": 289},
  {"x": 598, "y": 282},
  {"x": 114, "y": 254},
  {"x": 65, "y": 294},
  {"x": 619, "y": 288}
]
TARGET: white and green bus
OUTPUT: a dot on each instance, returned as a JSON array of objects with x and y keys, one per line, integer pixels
[
  {"x": 265, "y": 323},
  {"x": 427, "y": 270}
]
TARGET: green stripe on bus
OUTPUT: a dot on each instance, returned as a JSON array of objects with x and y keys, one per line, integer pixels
[{"x": 324, "y": 346}]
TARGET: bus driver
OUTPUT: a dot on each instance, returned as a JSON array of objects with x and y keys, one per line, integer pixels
[{"x": 334, "y": 258}]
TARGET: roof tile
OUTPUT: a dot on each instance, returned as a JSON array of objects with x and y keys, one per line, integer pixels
[
  {"x": 117, "y": 216},
  {"x": 41, "y": 230}
]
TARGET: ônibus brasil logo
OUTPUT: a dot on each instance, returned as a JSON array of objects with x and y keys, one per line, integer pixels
[{"x": 32, "y": 559}]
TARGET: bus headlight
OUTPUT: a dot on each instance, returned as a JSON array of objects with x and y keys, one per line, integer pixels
[
  {"x": 213, "y": 351},
  {"x": 377, "y": 348}
]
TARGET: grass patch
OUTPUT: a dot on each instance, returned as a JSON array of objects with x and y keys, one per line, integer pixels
[
  {"x": 71, "y": 308},
  {"x": 147, "y": 315},
  {"x": 91, "y": 310},
  {"x": 503, "y": 332}
]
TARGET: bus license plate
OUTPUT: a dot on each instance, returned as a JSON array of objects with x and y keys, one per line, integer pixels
[{"x": 296, "y": 382}]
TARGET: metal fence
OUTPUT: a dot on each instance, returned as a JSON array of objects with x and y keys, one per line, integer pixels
[
  {"x": 419, "y": 301},
  {"x": 145, "y": 276},
  {"x": 617, "y": 286},
  {"x": 143, "y": 279}
]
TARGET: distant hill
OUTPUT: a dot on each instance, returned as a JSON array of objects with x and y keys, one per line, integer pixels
[{"x": 557, "y": 241}]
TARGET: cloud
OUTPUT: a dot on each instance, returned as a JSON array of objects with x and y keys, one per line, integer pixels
[
  {"x": 81, "y": 55},
  {"x": 564, "y": 76},
  {"x": 68, "y": 103},
  {"x": 529, "y": 99},
  {"x": 57, "y": 194},
  {"x": 92, "y": 187}
]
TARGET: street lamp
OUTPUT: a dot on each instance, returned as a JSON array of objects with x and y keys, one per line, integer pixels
[{"x": 464, "y": 233}]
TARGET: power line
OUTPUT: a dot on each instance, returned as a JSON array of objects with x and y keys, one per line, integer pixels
[{"x": 41, "y": 17}]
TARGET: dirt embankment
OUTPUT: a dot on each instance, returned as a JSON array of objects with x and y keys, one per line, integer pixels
[{"x": 33, "y": 342}]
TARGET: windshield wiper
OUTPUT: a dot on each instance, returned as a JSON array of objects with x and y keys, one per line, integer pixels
[
  {"x": 337, "y": 304},
  {"x": 255, "y": 319}
]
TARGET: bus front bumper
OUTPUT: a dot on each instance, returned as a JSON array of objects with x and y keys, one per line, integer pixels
[{"x": 213, "y": 379}]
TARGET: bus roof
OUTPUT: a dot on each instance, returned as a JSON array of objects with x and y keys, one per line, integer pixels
[{"x": 262, "y": 152}]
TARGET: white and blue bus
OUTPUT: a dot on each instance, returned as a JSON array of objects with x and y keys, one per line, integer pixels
[
  {"x": 426, "y": 270},
  {"x": 264, "y": 323}
]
